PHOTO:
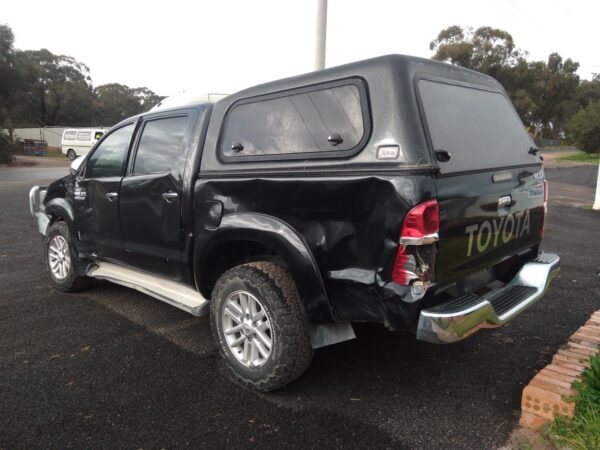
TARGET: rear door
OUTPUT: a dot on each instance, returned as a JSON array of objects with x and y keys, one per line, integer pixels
[
  {"x": 151, "y": 193},
  {"x": 491, "y": 190}
]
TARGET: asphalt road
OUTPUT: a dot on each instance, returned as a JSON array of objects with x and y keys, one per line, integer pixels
[{"x": 110, "y": 367}]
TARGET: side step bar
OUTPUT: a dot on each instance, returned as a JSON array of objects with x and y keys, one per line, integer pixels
[
  {"x": 176, "y": 294},
  {"x": 188, "y": 299}
]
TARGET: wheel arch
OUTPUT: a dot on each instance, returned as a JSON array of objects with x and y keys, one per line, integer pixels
[
  {"x": 246, "y": 237},
  {"x": 59, "y": 209}
]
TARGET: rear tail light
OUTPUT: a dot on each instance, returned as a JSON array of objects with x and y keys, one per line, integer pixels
[
  {"x": 415, "y": 257},
  {"x": 422, "y": 223},
  {"x": 545, "y": 207},
  {"x": 402, "y": 273}
]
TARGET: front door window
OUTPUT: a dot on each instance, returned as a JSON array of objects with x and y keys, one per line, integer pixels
[{"x": 107, "y": 160}]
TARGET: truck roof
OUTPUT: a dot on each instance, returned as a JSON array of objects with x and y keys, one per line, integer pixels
[
  {"x": 392, "y": 111},
  {"x": 183, "y": 99},
  {"x": 373, "y": 70}
]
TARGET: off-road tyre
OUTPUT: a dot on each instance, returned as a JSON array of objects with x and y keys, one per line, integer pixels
[
  {"x": 291, "y": 351},
  {"x": 71, "y": 282}
]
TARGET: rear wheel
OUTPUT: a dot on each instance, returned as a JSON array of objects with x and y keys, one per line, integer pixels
[
  {"x": 71, "y": 154},
  {"x": 61, "y": 260},
  {"x": 259, "y": 325}
]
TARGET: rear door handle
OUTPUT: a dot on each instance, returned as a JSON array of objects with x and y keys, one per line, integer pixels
[
  {"x": 169, "y": 196},
  {"x": 111, "y": 196}
]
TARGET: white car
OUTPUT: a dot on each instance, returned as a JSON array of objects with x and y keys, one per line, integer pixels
[{"x": 77, "y": 142}]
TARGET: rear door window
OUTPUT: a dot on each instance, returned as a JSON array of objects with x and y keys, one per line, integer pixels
[
  {"x": 323, "y": 122},
  {"x": 479, "y": 128},
  {"x": 161, "y": 146}
]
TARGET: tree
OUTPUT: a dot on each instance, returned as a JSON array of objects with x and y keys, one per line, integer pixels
[
  {"x": 588, "y": 91},
  {"x": 9, "y": 79},
  {"x": 559, "y": 82},
  {"x": 40, "y": 88},
  {"x": 115, "y": 102},
  {"x": 543, "y": 92},
  {"x": 7, "y": 148},
  {"x": 584, "y": 128},
  {"x": 6, "y": 66},
  {"x": 486, "y": 49},
  {"x": 58, "y": 90},
  {"x": 147, "y": 98}
]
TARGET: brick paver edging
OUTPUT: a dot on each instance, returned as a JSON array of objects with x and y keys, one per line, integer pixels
[{"x": 543, "y": 397}]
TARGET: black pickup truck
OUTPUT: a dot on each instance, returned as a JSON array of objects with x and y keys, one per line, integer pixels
[{"x": 395, "y": 190}]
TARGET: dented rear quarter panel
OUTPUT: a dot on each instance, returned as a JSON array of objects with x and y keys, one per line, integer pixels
[{"x": 350, "y": 225}]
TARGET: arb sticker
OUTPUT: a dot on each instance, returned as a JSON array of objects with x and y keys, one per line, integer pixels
[{"x": 388, "y": 152}]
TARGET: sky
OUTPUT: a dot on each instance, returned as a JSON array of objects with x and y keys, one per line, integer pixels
[{"x": 222, "y": 46}]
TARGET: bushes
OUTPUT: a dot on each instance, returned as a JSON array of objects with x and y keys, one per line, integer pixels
[
  {"x": 7, "y": 148},
  {"x": 584, "y": 128}
]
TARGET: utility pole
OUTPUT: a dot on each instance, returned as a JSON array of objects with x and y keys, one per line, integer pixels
[
  {"x": 321, "y": 34},
  {"x": 597, "y": 200}
]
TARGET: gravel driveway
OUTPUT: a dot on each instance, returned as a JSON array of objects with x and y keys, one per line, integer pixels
[{"x": 110, "y": 367}]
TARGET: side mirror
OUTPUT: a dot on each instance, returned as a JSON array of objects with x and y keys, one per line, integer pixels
[{"x": 76, "y": 164}]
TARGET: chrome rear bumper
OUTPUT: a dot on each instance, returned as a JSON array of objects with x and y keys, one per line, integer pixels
[{"x": 458, "y": 318}]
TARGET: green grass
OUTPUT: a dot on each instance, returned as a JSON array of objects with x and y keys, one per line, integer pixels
[
  {"x": 581, "y": 157},
  {"x": 55, "y": 155},
  {"x": 582, "y": 432},
  {"x": 590, "y": 208}
]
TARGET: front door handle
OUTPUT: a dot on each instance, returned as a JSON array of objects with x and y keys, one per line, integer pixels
[
  {"x": 169, "y": 196},
  {"x": 111, "y": 196}
]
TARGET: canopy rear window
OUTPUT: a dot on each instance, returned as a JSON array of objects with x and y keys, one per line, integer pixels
[
  {"x": 324, "y": 121},
  {"x": 479, "y": 128}
]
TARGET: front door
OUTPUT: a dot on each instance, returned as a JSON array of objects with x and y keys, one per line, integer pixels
[
  {"x": 96, "y": 196},
  {"x": 151, "y": 194}
]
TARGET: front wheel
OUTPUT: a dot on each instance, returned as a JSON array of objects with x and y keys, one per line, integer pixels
[
  {"x": 61, "y": 259},
  {"x": 259, "y": 325}
]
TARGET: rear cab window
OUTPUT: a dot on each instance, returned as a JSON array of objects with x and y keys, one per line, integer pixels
[
  {"x": 478, "y": 127},
  {"x": 322, "y": 121}
]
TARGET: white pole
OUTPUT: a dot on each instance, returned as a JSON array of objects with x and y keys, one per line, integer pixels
[
  {"x": 321, "y": 34},
  {"x": 597, "y": 200}
]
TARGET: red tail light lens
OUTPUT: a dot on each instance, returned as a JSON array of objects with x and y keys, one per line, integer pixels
[
  {"x": 420, "y": 227},
  {"x": 400, "y": 273},
  {"x": 423, "y": 220}
]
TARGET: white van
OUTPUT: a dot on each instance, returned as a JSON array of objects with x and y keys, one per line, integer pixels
[{"x": 77, "y": 142}]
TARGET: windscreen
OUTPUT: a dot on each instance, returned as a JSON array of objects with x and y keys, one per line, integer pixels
[{"x": 479, "y": 128}]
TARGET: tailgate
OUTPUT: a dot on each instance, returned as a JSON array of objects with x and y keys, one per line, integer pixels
[
  {"x": 483, "y": 222},
  {"x": 491, "y": 189}
]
